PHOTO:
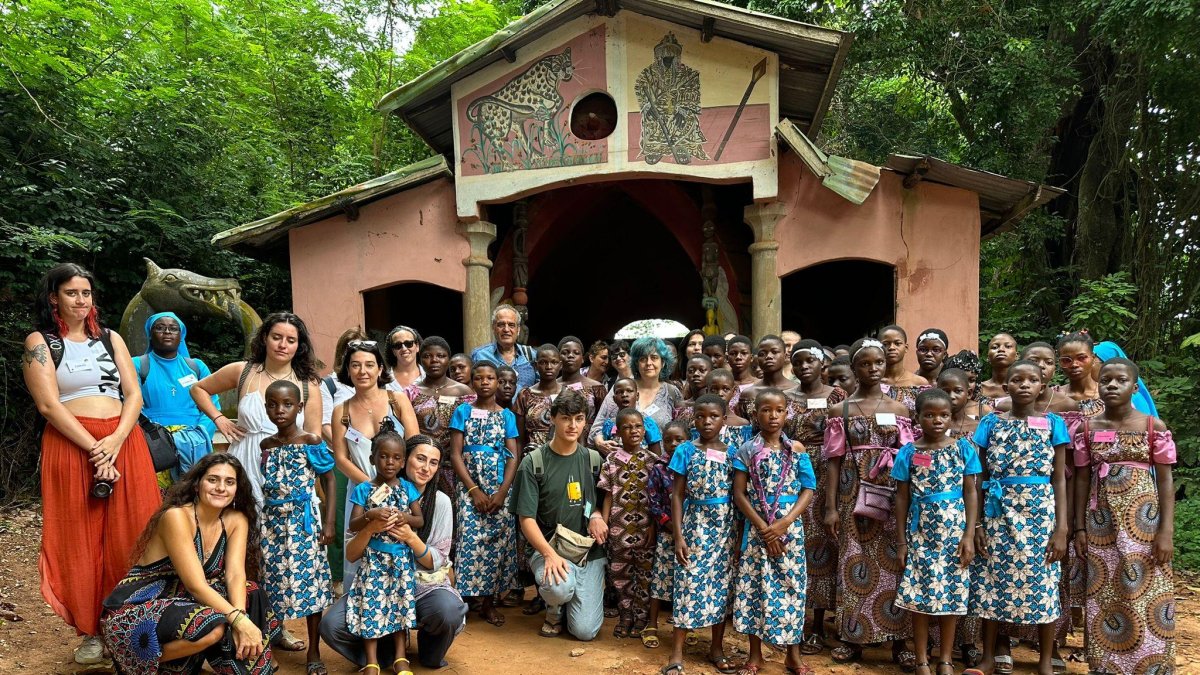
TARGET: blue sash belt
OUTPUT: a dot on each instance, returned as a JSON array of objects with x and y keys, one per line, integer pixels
[
  {"x": 783, "y": 499},
  {"x": 914, "y": 507},
  {"x": 711, "y": 501},
  {"x": 993, "y": 491},
  {"x": 306, "y": 504},
  {"x": 392, "y": 547},
  {"x": 491, "y": 449}
]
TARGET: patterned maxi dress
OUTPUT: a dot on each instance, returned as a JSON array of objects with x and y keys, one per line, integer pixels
[
  {"x": 969, "y": 628},
  {"x": 703, "y": 587},
  {"x": 806, "y": 424},
  {"x": 933, "y": 581},
  {"x": 535, "y": 408},
  {"x": 626, "y": 476},
  {"x": 868, "y": 567},
  {"x": 1130, "y": 612},
  {"x": 593, "y": 395},
  {"x": 1015, "y": 584},
  {"x": 433, "y": 419},
  {"x": 382, "y": 597},
  {"x": 1075, "y": 569},
  {"x": 769, "y": 592},
  {"x": 485, "y": 543},
  {"x": 295, "y": 570},
  {"x": 659, "y": 487},
  {"x": 906, "y": 396},
  {"x": 151, "y": 607}
]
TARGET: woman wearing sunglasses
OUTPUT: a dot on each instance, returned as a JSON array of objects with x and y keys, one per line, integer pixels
[
  {"x": 618, "y": 360},
  {"x": 400, "y": 352}
]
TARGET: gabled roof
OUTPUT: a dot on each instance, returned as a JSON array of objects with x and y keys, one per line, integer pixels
[
  {"x": 810, "y": 58},
  {"x": 262, "y": 232}
]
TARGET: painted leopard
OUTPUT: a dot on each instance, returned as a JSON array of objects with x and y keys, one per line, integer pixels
[{"x": 531, "y": 95}]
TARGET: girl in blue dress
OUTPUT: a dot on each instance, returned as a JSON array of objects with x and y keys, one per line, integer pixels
[
  {"x": 936, "y": 507},
  {"x": 704, "y": 532},
  {"x": 381, "y": 599},
  {"x": 483, "y": 451},
  {"x": 736, "y": 429},
  {"x": 295, "y": 570},
  {"x": 1021, "y": 541},
  {"x": 773, "y": 484}
]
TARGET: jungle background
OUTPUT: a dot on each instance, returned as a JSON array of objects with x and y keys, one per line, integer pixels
[{"x": 133, "y": 128}]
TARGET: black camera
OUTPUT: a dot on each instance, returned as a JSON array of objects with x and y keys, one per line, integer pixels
[{"x": 102, "y": 489}]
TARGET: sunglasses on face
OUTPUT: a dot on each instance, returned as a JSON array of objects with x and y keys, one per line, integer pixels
[
  {"x": 1078, "y": 358},
  {"x": 404, "y": 344},
  {"x": 362, "y": 344},
  {"x": 620, "y": 355}
]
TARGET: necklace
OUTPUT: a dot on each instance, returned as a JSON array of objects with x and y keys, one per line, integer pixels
[{"x": 291, "y": 371}]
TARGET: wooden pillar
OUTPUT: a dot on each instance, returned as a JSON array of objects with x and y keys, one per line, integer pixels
[
  {"x": 766, "y": 313},
  {"x": 477, "y": 301}
]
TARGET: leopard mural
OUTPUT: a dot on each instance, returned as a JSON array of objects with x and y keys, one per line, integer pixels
[{"x": 531, "y": 95}]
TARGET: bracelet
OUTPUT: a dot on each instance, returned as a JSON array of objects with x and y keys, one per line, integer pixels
[
  {"x": 219, "y": 416},
  {"x": 473, "y": 487},
  {"x": 1078, "y": 530},
  {"x": 596, "y": 514},
  {"x": 423, "y": 552},
  {"x": 230, "y": 616}
]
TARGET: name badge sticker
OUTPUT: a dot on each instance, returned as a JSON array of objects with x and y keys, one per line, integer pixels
[
  {"x": 817, "y": 403},
  {"x": 79, "y": 365},
  {"x": 650, "y": 410},
  {"x": 885, "y": 419},
  {"x": 1037, "y": 422},
  {"x": 479, "y": 414},
  {"x": 622, "y": 456},
  {"x": 718, "y": 456},
  {"x": 577, "y": 386},
  {"x": 922, "y": 459},
  {"x": 1107, "y": 436},
  {"x": 353, "y": 435},
  {"x": 553, "y": 397},
  {"x": 187, "y": 380},
  {"x": 446, "y": 400}
]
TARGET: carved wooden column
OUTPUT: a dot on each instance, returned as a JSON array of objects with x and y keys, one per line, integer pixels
[
  {"x": 520, "y": 265},
  {"x": 477, "y": 300},
  {"x": 766, "y": 291},
  {"x": 710, "y": 263}
]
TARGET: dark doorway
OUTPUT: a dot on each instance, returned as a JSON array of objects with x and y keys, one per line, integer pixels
[
  {"x": 838, "y": 302},
  {"x": 430, "y": 309},
  {"x": 647, "y": 274}
]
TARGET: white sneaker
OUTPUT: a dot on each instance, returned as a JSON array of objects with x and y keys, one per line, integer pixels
[{"x": 90, "y": 652}]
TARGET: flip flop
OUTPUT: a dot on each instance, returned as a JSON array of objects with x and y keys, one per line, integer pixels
[
  {"x": 676, "y": 668},
  {"x": 801, "y": 669},
  {"x": 1004, "y": 664},
  {"x": 846, "y": 654},
  {"x": 748, "y": 670},
  {"x": 650, "y": 638},
  {"x": 550, "y": 629},
  {"x": 813, "y": 644},
  {"x": 315, "y": 668},
  {"x": 406, "y": 671},
  {"x": 723, "y": 664},
  {"x": 288, "y": 643}
]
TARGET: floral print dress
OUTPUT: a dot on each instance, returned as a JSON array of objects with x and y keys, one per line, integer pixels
[
  {"x": 703, "y": 586},
  {"x": 382, "y": 596},
  {"x": 295, "y": 570}
]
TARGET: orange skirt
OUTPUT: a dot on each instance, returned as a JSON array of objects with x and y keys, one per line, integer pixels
[{"x": 87, "y": 543}]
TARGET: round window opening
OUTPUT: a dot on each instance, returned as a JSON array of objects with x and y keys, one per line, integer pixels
[{"x": 594, "y": 116}]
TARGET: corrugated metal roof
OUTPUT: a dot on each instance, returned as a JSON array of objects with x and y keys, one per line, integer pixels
[
  {"x": 267, "y": 230},
  {"x": 1002, "y": 200},
  {"x": 849, "y": 178},
  {"x": 810, "y": 58}
]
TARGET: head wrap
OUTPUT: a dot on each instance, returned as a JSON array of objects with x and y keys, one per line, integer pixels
[
  {"x": 183, "y": 348},
  {"x": 1142, "y": 401}
]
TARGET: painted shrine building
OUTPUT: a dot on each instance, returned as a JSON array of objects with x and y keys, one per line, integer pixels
[{"x": 603, "y": 161}]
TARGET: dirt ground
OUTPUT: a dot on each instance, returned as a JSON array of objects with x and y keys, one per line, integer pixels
[{"x": 41, "y": 643}]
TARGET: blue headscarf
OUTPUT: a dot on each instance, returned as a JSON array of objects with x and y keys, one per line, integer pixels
[
  {"x": 1142, "y": 400},
  {"x": 166, "y": 397}
]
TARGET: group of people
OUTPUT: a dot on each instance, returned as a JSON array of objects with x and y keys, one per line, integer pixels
[{"x": 769, "y": 481}]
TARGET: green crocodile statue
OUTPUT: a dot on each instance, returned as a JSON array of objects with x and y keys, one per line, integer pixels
[{"x": 189, "y": 295}]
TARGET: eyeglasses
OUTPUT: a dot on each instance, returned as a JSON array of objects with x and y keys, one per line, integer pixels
[
  {"x": 1078, "y": 358},
  {"x": 404, "y": 344},
  {"x": 362, "y": 344},
  {"x": 169, "y": 329},
  {"x": 620, "y": 355}
]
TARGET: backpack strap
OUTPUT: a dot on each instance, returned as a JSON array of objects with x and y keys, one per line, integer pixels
[
  {"x": 106, "y": 340},
  {"x": 330, "y": 385},
  {"x": 242, "y": 379},
  {"x": 193, "y": 366},
  {"x": 596, "y": 460},
  {"x": 143, "y": 368},
  {"x": 846, "y": 424},
  {"x": 539, "y": 463},
  {"x": 55, "y": 345}
]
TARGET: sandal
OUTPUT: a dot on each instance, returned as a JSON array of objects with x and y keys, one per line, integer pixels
[
  {"x": 813, "y": 644},
  {"x": 315, "y": 668},
  {"x": 371, "y": 665},
  {"x": 550, "y": 629},
  {"x": 650, "y": 638},
  {"x": 676, "y": 668},
  {"x": 288, "y": 642},
  {"x": 922, "y": 665},
  {"x": 691, "y": 639},
  {"x": 1004, "y": 664},
  {"x": 906, "y": 659},
  {"x": 748, "y": 670},
  {"x": 611, "y": 612},
  {"x": 536, "y": 606},
  {"x": 405, "y": 671},
  {"x": 801, "y": 669},
  {"x": 622, "y": 629},
  {"x": 945, "y": 664},
  {"x": 723, "y": 664},
  {"x": 846, "y": 654}
]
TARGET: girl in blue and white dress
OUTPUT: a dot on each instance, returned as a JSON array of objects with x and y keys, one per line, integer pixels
[
  {"x": 1021, "y": 540},
  {"x": 702, "y": 519},
  {"x": 381, "y": 598},
  {"x": 773, "y": 484},
  {"x": 483, "y": 451},
  {"x": 936, "y": 507},
  {"x": 295, "y": 571}
]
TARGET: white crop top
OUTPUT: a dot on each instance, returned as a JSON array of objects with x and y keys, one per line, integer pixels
[{"x": 87, "y": 369}]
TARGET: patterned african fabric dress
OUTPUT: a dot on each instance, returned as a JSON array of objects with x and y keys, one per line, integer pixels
[
  {"x": 868, "y": 566},
  {"x": 1076, "y": 569},
  {"x": 433, "y": 413},
  {"x": 485, "y": 543},
  {"x": 969, "y": 628},
  {"x": 1130, "y": 612},
  {"x": 593, "y": 396},
  {"x": 906, "y": 395},
  {"x": 626, "y": 476},
  {"x": 295, "y": 571},
  {"x": 806, "y": 424},
  {"x": 659, "y": 487},
  {"x": 535, "y": 408},
  {"x": 1015, "y": 584},
  {"x": 933, "y": 581},
  {"x": 703, "y": 586},
  {"x": 151, "y": 607},
  {"x": 769, "y": 600},
  {"x": 382, "y": 596}
]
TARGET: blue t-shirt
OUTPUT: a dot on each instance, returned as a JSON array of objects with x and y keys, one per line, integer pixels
[{"x": 970, "y": 455}]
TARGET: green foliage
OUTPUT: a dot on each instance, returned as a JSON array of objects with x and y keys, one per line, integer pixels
[
  {"x": 1104, "y": 305},
  {"x": 1187, "y": 534}
]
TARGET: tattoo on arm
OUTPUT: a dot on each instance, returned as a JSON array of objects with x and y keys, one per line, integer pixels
[{"x": 38, "y": 353}]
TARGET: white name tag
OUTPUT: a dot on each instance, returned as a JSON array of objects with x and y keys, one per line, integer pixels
[
  {"x": 354, "y": 436},
  {"x": 79, "y": 365},
  {"x": 187, "y": 380},
  {"x": 577, "y": 386},
  {"x": 718, "y": 456},
  {"x": 885, "y": 419},
  {"x": 651, "y": 410},
  {"x": 479, "y": 414},
  {"x": 817, "y": 403},
  {"x": 446, "y": 400}
]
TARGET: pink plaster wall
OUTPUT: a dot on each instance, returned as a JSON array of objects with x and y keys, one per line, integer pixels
[
  {"x": 409, "y": 236},
  {"x": 930, "y": 234}
]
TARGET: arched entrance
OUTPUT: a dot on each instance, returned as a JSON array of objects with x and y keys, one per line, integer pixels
[
  {"x": 840, "y": 301},
  {"x": 612, "y": 265},
  {"x": 430, "y": 309}
]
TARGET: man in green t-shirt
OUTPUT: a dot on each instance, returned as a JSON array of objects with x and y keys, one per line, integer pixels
[{"x": 560, "y": 489}]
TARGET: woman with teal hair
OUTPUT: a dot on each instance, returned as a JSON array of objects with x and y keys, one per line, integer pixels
[
  {"x": 1142, "y": 401},
  {"x": 166, "y": 373}
]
